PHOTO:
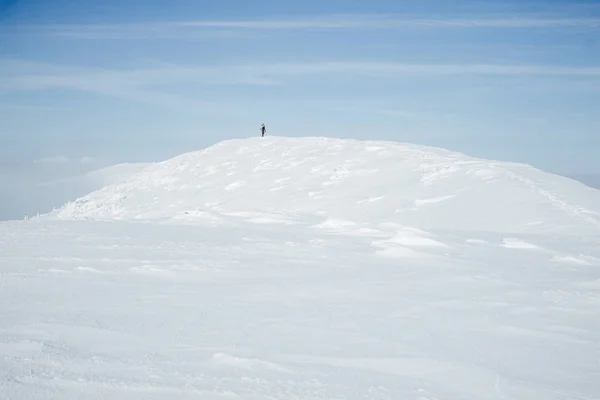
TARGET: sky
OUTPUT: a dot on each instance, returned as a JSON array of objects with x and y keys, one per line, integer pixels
[{"x": 115, "y": 81}]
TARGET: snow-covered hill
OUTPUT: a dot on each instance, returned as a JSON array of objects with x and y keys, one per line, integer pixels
[
  {"x": 344, "y": 183},
  {"x": 308, "y": 269}
]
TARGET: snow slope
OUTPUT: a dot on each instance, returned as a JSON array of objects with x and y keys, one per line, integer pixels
[
  {"x": 345, "y": 181},
  {"x": 361, "y": 290}
]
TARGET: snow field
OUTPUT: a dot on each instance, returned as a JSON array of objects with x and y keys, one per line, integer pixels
[{"x": 308, "y": 269}]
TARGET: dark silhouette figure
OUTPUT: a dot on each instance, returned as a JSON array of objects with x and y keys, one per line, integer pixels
[{"x": 263, "y": 129}]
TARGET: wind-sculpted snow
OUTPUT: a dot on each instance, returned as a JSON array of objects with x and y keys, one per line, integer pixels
[
  {"x": 137, "y": 310},
  {"x": 283, "y": 180},
  {"x": 308, "y": 269}
]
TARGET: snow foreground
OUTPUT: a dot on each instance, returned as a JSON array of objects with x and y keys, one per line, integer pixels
[
  {"x": 283, "y": 295},
  {"x": 349, "y": 183}
]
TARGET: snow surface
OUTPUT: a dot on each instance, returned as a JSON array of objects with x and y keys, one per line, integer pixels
[
  {"x": 308, "y": 269},
  {"x": 285, "y": 179}
]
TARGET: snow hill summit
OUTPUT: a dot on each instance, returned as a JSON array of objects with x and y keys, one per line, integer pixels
[
  {"x": 308, "y": 268},
  {"x": 345, "y": 185}
]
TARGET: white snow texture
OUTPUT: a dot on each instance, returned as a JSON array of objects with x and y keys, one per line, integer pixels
[{"x": 308, "y": 268}]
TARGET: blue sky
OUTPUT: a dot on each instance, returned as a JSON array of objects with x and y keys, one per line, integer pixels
[{"x": 146, "y": 80}]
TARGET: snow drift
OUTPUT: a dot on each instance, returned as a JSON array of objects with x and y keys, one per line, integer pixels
[{"x": 346, "y": 182}]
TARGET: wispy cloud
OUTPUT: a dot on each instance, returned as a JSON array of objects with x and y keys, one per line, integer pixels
[
  {"x": 397, "y": 113},
  {"x": 214, "y": 29},
  {"x": 63, "y": 160},
  {"x": 9, "y": 108},
  {"x": 407, "y": 114},
  {"x": 140, "y": 85},
  {"x": 53, "y": 160},
  {"x": 387, "y": 22},
  {"x": 150, "y": 85},
  {"x": 398, "y": 69}
]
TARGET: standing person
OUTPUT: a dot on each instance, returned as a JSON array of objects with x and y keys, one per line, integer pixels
[{"x": 263, "y": 129}]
